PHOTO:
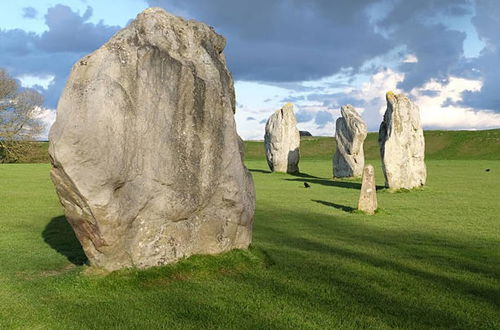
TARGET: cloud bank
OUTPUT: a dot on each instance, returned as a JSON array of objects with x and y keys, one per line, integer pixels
[{"x": 318, "y": 54}]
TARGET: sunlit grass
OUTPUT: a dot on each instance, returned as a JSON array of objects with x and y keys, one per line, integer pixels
[{"x": 429, "y": 258}]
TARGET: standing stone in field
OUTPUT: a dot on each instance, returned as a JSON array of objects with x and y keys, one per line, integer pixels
[
  {"x": 350, "y": 133},
  {"x": 402, "y": 145},
  {"x": 146, "y": 159},
  {"x": 368, "y": 196},
  {"x": 282, "y": 141}
]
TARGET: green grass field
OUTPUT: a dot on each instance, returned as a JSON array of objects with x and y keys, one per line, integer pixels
[
  {"x": 428, "y": 259},
  {"x": 439, "y": 145}
]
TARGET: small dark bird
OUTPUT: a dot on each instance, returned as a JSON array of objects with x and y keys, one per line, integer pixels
[
  {"x": 487, "y": 170},
  {"x": 306, "y": 185}
]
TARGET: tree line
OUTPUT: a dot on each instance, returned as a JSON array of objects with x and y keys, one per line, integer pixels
[{"x": 19, "y": 118}]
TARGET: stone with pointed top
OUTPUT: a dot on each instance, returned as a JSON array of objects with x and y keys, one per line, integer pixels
[
  {"x": 146, "y": 159},
  {"x": 368, "y": 195},
  {"x": 282, "y": 141},
  {"x": 402, "y": 145},
  {"x": 350, "y": 134}
]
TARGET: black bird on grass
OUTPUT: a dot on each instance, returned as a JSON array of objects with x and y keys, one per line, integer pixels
[
  {"x": 487, "y": 170},
  {"x": 306, "y": 185}
]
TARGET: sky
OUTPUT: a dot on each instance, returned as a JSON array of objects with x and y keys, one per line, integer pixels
[{"x": 318, "y": 54}]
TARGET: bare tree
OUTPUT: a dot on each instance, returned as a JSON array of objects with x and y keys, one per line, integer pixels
[{"x": 19, "y": 123}]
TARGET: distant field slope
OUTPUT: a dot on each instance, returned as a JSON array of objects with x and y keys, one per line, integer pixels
[{"x": 439, "y": 145}]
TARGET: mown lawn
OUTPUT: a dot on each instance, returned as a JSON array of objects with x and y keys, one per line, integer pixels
[{"x": 428, "y": 259}]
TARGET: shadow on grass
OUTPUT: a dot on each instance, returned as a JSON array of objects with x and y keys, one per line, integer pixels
[
  {"x": 259, "y": 170},
  {"x": 297, "y": 174},
  {"x": 337, "y": 206},
  {"x": 357, "y": 266},
  {"x": 326, "y": 272},
  {"x": 332, "y": 183},
  {"x": 304, "y": 175},
  {"x": 59, "y": 235}
]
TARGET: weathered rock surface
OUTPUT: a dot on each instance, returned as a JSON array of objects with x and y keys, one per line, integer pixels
[
  {"x": 402, "y": 145},
  {"x": 282, "y": 141},
  {"x": 368, "y": 196},
  {"x": 146, "y": 159},
  {"x": 350, "y": 133}
]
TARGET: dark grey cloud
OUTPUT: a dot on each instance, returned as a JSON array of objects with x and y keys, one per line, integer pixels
[
  {"x": 304, "y": 116},
  {"x": 70, "y": 32},
  {"x": 336, "y": 100},
  {"x": 293, "y": 99},
  {"x": 437, "y": 56},
  {"x": 69, "y": 37},
  {"x": 418, "y": 25},
  {"x": 16, "y": 43},
  {"x": 487, "y": 65},
  {"x": 295, "y": 86},
  {"x": 29, "y": 12},
  {"x": 322, "y": 118},
  {"x": 430, "y": 93},
  {"x": 284, "y": 42},
  {"x": 449, "y": 102},
  {"x": 288, "y": 40}
]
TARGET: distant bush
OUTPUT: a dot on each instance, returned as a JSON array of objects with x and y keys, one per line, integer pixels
[{"x": 19, "y": 119}]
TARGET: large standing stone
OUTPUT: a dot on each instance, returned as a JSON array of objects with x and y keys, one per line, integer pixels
[
  {"x": 282, "y": 141},
  {"x": 350, "y": 133},
  {"x": 368, "y": 195},
  {"x": 146, "y": 159},
  {"x": 402, "y": 145}
]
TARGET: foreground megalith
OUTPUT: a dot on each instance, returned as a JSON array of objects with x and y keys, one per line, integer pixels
[
  {"x": 282, "y": 141},
  {"x": 368, "y": 194},
  {"x": 146, "y": 159},
  {"x": 350, "y": 134},
  {"x": 402, "y": 145}
]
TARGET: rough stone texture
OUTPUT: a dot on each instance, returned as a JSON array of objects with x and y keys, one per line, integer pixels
[
  {"x": 146, "y": 159},
  {"x": 350, "y": 133},
  {"x": 368, "y": 196},
  {"x": 282, "y": 141},
  {"x": 402, "y": 145}
]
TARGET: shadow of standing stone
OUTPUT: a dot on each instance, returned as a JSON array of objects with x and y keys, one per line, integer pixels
[{"x": 59, "y": 235}]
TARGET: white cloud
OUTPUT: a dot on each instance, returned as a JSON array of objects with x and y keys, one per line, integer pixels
[
  {"x": 326, "y": 130},
  {"x": 438, "y": 108},
  {"x": 260, "y": 101},
  {"x": 379, "y": 84},
  {"x": 30, "y": 81},
  {"x": 373, "y": 93},
  {"x": 411, "y": 58},
  {"x": 48, "y": 117},
  {"x": 437, "y": 100}
]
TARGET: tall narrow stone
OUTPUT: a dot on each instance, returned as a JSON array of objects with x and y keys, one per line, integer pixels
[
  {"x": 282, "y": 141},
  {"x": 402, "y": 145},
  {"x": 146, "y": 159},
  {"x": 368, "y": 195},
  {"x": 350, "y": 133}
]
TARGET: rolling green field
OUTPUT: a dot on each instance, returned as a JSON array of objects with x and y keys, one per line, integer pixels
[
  {"x": 428, "y": 259},
  {"x": 439, "y": 145}
]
